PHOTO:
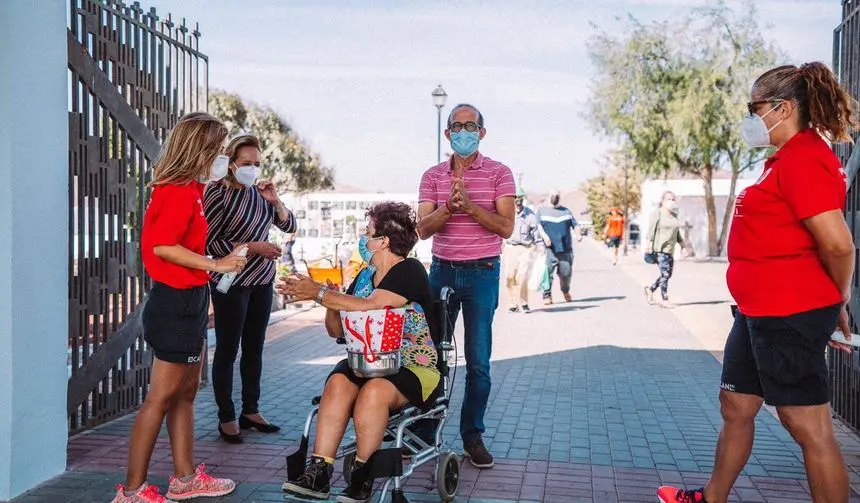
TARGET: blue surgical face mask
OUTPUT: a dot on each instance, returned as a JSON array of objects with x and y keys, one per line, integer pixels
[
  {"x": 365, "y": 253},
  {"x": 465, "y": 143}
]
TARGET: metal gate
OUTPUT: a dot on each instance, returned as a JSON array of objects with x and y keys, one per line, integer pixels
[
  {"x": 131, "y": 76},
  {"x": 845, "y": 369}
]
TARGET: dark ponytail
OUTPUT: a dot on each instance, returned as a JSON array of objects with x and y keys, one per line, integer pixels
[{"x": 821, "y": 102}]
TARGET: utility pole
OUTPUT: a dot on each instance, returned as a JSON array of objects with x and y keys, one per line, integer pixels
[{"x": 626, "y": 208}]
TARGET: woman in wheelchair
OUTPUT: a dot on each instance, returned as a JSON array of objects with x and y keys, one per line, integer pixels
[{"x": 390, "y": 280}]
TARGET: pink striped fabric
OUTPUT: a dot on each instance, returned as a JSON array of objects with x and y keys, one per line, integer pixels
[{"x": 462, "y": 238}]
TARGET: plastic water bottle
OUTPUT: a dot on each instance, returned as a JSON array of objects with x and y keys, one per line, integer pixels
[{"x": 227, "y": 279}]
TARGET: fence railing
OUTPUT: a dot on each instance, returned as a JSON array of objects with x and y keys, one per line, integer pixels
[
  {"x": 131, "y": 76},
  {"x": 845, "y": 369}
]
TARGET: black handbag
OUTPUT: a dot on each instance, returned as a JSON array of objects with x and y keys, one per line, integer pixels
[{"x": 651, "y": 258}]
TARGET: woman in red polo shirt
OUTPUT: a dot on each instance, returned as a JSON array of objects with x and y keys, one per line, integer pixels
[
  {"x": 791, "y": 260},
  {"x": 173, "y": 244}
]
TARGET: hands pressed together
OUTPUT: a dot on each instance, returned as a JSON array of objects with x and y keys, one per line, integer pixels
[{"x": 459, "y": 199}]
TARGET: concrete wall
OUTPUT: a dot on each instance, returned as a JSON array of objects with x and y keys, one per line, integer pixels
[{"x": 33, "y": 243}]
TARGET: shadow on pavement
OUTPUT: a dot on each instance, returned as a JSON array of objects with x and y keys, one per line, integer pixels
[
  {"x": 556, "y": 308},
  {"x": 600, "y": 299},
  {"x": 703, "y": 303}
]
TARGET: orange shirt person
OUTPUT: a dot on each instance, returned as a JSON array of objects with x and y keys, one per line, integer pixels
[{"x": 614, "y": 231}]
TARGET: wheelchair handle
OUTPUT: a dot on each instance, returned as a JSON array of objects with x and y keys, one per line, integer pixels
[{"x": 446, "y": 293}]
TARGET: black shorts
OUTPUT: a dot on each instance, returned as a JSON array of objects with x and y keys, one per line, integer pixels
[
  {"x": 405, "y": 381},
  {"x": 175, "y": 322},
  {"x": 780, "y": 358},
  {"x": 615, "y": 242}
]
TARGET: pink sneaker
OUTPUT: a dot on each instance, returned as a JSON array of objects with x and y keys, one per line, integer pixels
[
  {"x": 202, "y": 485},
  {"x": 146, "y": 494}
]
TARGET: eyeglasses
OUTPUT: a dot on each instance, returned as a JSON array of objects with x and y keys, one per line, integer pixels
[
  {"x": 470, "y": 126},
  {"x": 752, "y": 106}
]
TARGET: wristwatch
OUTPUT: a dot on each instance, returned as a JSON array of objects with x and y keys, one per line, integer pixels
[{"x": 321, "y": 294}]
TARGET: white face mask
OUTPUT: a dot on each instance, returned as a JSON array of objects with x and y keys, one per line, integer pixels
[
  {"x": 247, "y": 175},
  {"x": 219, "y": 168},
  {"x": 672, "y": 206},
  {"x": 755, "y": 132}
]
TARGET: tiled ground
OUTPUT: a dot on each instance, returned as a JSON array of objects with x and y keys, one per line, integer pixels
[{"x": 600, "y": 400}]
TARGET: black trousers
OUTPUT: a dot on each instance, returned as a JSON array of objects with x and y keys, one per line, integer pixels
[{"x": 241, "y": 318}]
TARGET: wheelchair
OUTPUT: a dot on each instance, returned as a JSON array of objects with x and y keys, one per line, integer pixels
[{"x": 387, "y": 463}]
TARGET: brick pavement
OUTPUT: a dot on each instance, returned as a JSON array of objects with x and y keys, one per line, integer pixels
[{"x": 600, "y": 400}]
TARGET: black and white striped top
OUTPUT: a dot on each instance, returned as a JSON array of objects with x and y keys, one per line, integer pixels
[{"x": 241, "y": 216}]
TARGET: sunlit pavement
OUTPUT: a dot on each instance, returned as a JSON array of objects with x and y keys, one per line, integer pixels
[{"x": 601, "y": 399}]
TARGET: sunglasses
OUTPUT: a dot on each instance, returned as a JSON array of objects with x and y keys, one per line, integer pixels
[{"x": 752, "y": 106}]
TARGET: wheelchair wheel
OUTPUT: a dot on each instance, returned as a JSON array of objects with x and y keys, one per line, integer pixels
[
  {"x": 448, "y": 476},
  {"x": 346, "y": 468}
]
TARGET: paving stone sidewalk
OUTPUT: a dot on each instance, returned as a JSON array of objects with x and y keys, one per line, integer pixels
[{"x": 601, "y": 399}]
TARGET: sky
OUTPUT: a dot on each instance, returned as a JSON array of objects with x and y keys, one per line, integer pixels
[{"x": 354, "y": 78}]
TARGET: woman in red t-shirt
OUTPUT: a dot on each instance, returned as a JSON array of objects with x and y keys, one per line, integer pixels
[
  {"x": 791, "y": 260},
  {"x": 175, "y": 316}
]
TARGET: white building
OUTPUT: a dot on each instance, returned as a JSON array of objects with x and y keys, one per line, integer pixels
[
  {"x": 334, "y": 220},
  {"x": 691, "y": 202}
]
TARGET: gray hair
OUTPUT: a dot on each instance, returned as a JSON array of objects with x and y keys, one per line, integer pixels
[{"x": 470, "y": 107}]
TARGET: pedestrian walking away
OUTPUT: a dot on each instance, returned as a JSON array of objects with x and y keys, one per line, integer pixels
[
  {"x": 791, "y": 263},
  {"x": 614, "y": 231},
  {"x": 241, "y": 209},
  {"x": 519, "y": 254},
  {"x": 664, "y": 234},
  {"x": 467, "y": 205},
  {"x": 175, "y": 317},
  {"x": 558, "y": 223}
]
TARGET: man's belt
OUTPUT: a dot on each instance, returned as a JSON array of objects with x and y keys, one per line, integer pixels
[
  {"x": 517, "y": 244},
  {"x": 480, "y": 263}
]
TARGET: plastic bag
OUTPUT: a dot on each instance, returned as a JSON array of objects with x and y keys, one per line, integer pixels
[{"x": 536, "y": 278}]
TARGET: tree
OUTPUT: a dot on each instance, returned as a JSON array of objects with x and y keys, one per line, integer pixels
[
  {"x": 287, "y": 160},
  {"x": 606, "y": 190},
  {"x": 674, "y": 93}
]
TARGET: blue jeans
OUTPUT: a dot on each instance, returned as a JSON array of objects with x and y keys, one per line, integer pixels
[{"x": 476, "y": 291}]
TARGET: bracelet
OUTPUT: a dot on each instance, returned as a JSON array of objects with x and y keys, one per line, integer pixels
[{"x": 321, "y": 294}]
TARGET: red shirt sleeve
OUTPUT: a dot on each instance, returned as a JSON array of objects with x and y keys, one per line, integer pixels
[
  {"x": 427, "y": 190},
  {"x": 170, "y": 212},
  {"x": 505, "y": 185},
  {"x": 811, "y": 186}
]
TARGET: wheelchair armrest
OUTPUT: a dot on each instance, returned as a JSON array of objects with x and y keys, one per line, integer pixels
[{"x": 340, "y": 340}]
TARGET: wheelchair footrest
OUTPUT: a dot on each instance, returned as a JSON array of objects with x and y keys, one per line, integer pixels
[
  {"x": 383, "y": 464},
  {"x": 398, "y": 497}
]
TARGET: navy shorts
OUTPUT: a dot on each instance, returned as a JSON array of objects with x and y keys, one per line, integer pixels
[
  {"x": 780, "y": 358},
  {"x": 615, "y": 242},
  {"x": 175, "y": 322}
]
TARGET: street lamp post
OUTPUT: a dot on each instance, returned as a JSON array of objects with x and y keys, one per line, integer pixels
[
  {"x": 626, "y": 214},
  {"x": 439, "y": 97}
]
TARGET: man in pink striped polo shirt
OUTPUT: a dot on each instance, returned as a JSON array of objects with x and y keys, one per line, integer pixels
[{"x": 467, "y": 205}]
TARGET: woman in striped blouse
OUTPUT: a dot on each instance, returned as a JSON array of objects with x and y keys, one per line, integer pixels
[{"x": 240, "y": 210}]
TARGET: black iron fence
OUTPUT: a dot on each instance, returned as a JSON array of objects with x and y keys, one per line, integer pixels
[
  {"x": 844, "y": 368},
  {"x": 131, "y": 76}
]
